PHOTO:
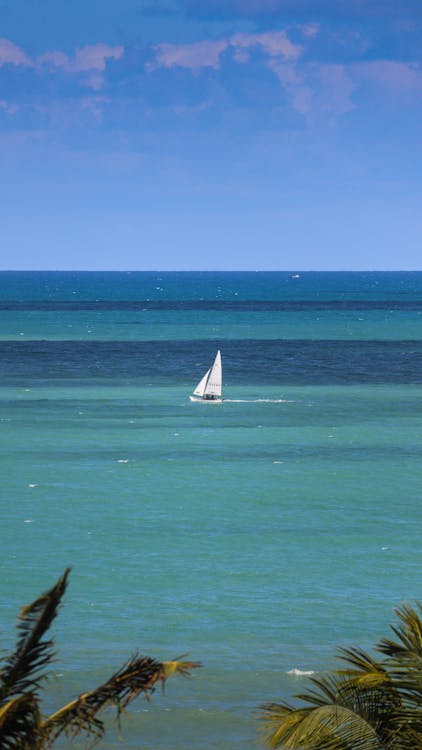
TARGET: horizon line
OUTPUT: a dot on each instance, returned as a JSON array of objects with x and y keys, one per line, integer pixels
[{"x": 210, "y": 270}]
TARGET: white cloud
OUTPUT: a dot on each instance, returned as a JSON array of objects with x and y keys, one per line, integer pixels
[
  {"x": 313, "y": 89},
  {"x": 207, "y": 53},
  {"x": 299, "y": 92},
  {"x": 10, "y": 53},
  {"x": 53, "y": 60},
  {"x": 336, "y": 88},
  {"x": 8, "y": 107},
  {"x": 95, "y": 81},
  {"x": 274, "y": 43},
  {"x": 94, "y": 105},
  {"x": 310, "y": 30},
  {"x": 93, "y": 57},
  {"x": 391, "y": 73},
  {"x": 204, "y": 54}
]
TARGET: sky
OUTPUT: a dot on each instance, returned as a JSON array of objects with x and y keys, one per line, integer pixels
[{"x": 211, "y": 134}]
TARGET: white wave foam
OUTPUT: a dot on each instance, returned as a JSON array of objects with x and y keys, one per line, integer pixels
[{"x": 301, "y": 672}]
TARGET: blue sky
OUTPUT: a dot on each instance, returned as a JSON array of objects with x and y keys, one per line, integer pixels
[{"x": 211, "y": 134}]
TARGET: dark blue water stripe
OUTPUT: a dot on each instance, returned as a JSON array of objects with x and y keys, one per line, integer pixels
[
  {"x": 216, "y": 305},
  {"x": 245, "y": 361}
]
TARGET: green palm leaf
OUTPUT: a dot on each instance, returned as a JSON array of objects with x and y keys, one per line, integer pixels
[
  {"x": 405, "y": 655},
  {"x": 330, "y": 727},
  {"x": 367, "y": 705},
  {"x": 360, "y": 663},
  {"x": 409, "y": 634}
]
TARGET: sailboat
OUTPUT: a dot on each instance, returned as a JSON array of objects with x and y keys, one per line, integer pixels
[{"x": 209, "y": 387}]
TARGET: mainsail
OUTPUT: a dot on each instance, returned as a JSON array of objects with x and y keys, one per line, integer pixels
[{"x": 213, "y": 386}]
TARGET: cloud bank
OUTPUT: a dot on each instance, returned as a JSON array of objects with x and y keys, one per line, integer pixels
[{"x": 282, "y": 68}]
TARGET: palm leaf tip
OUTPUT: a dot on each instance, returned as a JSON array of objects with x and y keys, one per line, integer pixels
[
  {"x": 183, "y": 668},
  {"x": 22, "y": 668},
  {"x": 408, "y": 633}
]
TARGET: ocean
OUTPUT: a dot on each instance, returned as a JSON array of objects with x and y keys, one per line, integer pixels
[{"x": 256, "y": 535}]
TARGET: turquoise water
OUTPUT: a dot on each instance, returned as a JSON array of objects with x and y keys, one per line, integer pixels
[{"x": 258, "y": 534}]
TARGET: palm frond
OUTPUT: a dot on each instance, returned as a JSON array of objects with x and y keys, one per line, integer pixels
[
  {"x": 404, "y": 655},
  {"x": 279, "y": 721},
  {"x": 330, "y": 727},
  {"x": 19, "y": 722},
  {"x": 139, "y": 675},
  {"x": 360, "y": 663},
  {"x": 368, "y": 704},
  {"x": 356, "y": 708},
  {"x": 407, "y": 681},
  {"x": 21, "y": 670},
  {"x": 363, "y": 671},
  {"x": 325, "y": 690},
  {"x": 409, "y": 634},
  {"x": 371, "y": 698}
]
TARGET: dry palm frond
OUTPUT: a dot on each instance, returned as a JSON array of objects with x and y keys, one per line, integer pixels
[
  {"x": 19, "y": 723},
  {"x": 21, "y": 671},
  {"x": 139, "y": 675}
]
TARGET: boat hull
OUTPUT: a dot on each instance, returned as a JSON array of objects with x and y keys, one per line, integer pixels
[{"x": 206, "y": 400}]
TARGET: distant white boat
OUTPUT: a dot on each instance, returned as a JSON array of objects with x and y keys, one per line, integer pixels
[
  {"x": 295, "y": 276},
  {"x": 210, "y": 386}
]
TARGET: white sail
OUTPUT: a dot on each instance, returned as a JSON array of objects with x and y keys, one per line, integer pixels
[
  {"x": 214, "y": 382},
  {"x": 209, "y": 387},
  {"x": 200, "y": 388}
]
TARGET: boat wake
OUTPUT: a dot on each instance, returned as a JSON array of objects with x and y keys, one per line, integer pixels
[
  {"x": 256, "y": 401},
  {"x": 209, "y": 389}
]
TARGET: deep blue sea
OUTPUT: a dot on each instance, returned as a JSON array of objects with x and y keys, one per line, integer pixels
[{"x": 258, "y": 534}]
